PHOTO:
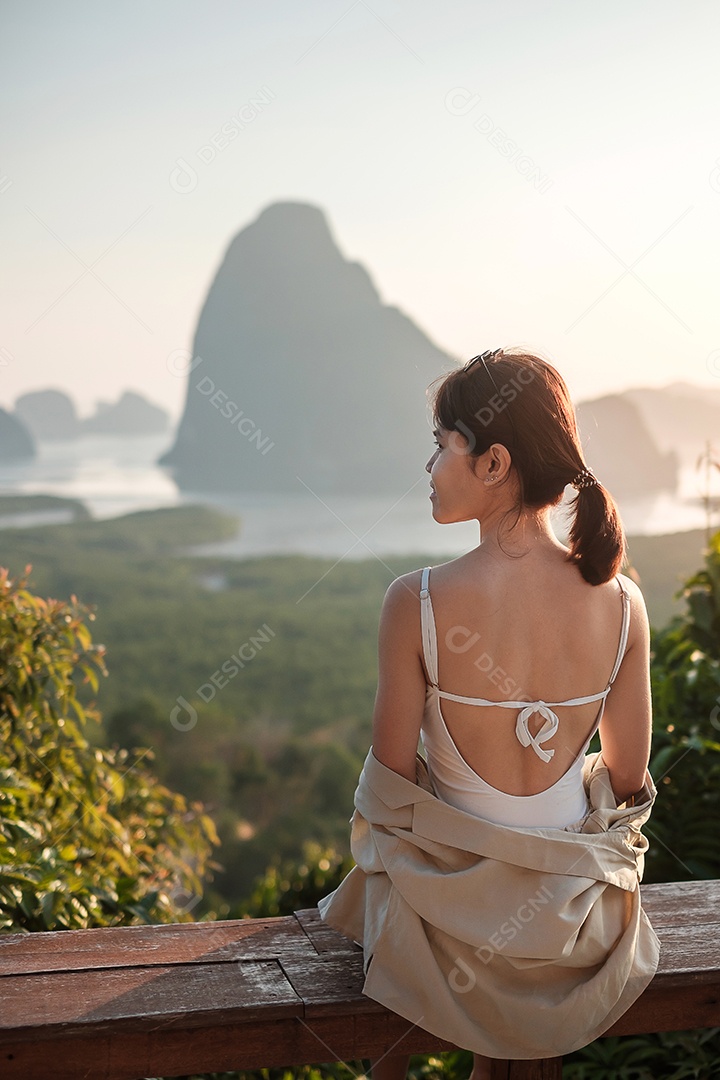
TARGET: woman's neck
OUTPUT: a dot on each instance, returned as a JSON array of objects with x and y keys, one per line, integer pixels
[{"x": 533, "y": 533}]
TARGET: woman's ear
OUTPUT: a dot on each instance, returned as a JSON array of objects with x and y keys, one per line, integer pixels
[{"x": 496, "y": 462}]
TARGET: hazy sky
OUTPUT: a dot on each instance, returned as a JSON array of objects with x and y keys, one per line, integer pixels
[{"x": 545, "y": 174}]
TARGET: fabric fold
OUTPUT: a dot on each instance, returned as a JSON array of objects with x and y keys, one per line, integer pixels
[{"x": 512, "y": 942}]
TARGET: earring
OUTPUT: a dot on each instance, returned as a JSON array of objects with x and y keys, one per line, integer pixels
[{"x": 490, "y": 479}]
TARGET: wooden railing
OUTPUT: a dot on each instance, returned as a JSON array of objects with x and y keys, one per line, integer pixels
[{"x": 154, "y": 1001}]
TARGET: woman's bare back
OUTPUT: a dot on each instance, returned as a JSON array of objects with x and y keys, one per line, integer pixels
[{"x": 531, "y": 629}]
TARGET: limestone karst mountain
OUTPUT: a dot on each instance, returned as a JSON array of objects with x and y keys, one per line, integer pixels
[
  {"x": 300, "y": 371},
  {"x": 620, "y": 449}
]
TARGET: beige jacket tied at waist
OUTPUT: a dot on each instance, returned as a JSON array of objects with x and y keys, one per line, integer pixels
[{"x": 512, "y": 942}]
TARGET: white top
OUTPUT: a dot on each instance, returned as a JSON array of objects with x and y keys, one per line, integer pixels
[{"x": 456, "y": 783}]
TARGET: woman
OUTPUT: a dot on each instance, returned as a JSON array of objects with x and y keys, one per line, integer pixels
[{"x": 504, "y": 663}]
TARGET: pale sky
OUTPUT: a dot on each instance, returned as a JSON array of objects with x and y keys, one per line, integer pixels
[{"x": 543, "y": 174}]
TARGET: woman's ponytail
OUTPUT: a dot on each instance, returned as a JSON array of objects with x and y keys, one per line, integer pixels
[{"x": 597, "y": 538}]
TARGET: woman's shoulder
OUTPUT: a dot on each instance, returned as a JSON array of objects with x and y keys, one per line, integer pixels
[
  {"x": 631, "y": 586},
  {"x": 408, "y": 585},
  {"x": 402, "y": 597},
  {"x": 404, "y": 590},
  {"x": 639, "y": 628}
]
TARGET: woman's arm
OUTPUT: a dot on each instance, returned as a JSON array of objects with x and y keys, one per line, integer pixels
[
  {"x": 626, "y": 726},
  {"x": 400, "y": 699}
]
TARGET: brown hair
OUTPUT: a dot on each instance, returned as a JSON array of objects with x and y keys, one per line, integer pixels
[{"x": 521, "y": 401}]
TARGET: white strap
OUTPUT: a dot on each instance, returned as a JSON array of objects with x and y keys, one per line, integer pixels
[
  {"x": 624, "y": 630},
  {"x": 522, "y": 704},
  {"x": 429, "y": 633}
]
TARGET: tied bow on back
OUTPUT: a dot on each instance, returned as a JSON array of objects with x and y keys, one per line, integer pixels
[{"x": 546, "y": 731}]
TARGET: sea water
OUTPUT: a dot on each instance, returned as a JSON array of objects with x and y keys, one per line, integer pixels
[{"x": 114, "y": 476}]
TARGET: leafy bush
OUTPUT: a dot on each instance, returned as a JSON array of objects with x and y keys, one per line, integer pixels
[
  {"x": 668, "y": 1055},
  {"x": 87, "y": 835},
  {"x": 685, "y": 670},
  {"x": 288, "y": 887}
]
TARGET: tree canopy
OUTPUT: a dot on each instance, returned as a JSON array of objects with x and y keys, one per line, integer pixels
[{"x": 88, "y": 837}]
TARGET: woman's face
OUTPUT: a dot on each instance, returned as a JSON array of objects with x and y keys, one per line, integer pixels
[{"x": 457, "y": 492}]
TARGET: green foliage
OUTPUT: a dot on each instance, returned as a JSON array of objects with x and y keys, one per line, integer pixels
[
  {"x": 288, "y": 887},
  {"x": 87, "y": 836},
  {"x": 12, "y": 505},
  {"x": 667, "y": 1055},
  {"x": 684, "y": 838}
]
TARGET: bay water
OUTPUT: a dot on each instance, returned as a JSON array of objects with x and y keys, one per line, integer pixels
[{"x": 114, "y": 476}]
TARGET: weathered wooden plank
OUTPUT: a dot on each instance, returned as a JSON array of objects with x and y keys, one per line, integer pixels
[
  {"x": 326, "y": 982},
  {"x": 139, "y": 999},
  {"x": 689, "y": 952},
  {"x": 173, "y": 943},
  {"x": 681, "y": 902},
  {"x": 672, "y": 1008},
  {"x": 368, "y": 1035},
  {"x": 322, "y": 936},
  {"x": 545, "y": 1069},
  {"x": 330, "y": 984},
  {"x": 178, "y": 1051}
]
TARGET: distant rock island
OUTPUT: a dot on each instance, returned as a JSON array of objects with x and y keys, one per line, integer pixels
[
  {"x": 16, "y": 442},
  {"x": 680, "y": 416},
  {"x": 302, "y": 375},
  {"x": 48, "y": 414},
  {"x": 51, "y": 415},
  {"x": 131, "y": 415}
]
